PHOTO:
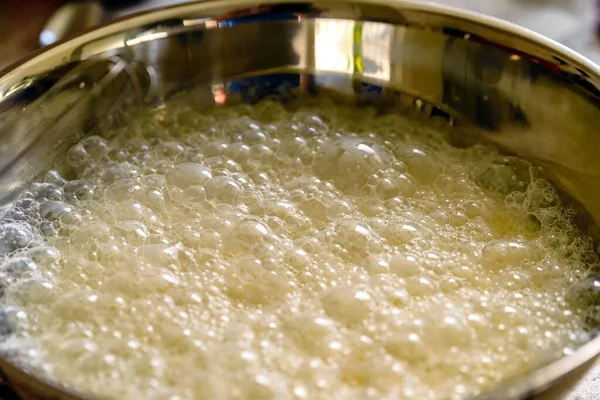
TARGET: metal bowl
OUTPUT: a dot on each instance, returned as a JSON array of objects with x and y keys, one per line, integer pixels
[{"x": 529, "y": 95}]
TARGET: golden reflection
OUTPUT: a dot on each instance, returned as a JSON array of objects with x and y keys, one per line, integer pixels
[{"x": 353, "y": 47}]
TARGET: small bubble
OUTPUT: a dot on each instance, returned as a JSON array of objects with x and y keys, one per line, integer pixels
[
  {"x": 48, "y": 191},
  {"x": 223, "y": 189},
  {"x": 188, "y": 174},
  {"x": 350, "y": 162},
  {"x": 14, "y": 237},
  {"x": 116, "y": 173},
  {"x": 419, "y": 163},
  {"x": 96, "y": 147},
  {"x": 404, "y": 265},
  {"x": 52, "y": 210},
  {"x": 348, "y": 304}
]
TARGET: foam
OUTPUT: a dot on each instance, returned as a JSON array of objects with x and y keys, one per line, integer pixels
[{"x": 317, "y": 251}]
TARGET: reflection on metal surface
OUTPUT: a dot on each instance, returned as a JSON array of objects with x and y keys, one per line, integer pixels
[
  {"x": 376, "y": 48},
  {"x": 533, "y": 97},
  {"x": 146, "y": 38},
  {"x": 199, "y": 21},
  {"x": 334, "y": 45},
  {"x": 24, "y": 84}
]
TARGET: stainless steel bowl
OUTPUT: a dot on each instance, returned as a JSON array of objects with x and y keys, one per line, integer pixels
[{"x": 531, "y": 96}]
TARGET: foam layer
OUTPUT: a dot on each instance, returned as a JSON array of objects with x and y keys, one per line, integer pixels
[{"x": 315, "y": 252}]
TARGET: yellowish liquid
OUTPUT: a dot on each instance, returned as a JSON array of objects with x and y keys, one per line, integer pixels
[{"x": 253, "y": 252}]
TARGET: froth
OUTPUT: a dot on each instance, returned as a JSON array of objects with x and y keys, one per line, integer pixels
[{"x": 310, "y": 252}]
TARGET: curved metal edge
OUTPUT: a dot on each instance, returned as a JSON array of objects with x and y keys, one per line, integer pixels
[
  {"x": 21, "y": 379},
  {"x": 63, "y": 51},
  {"x": 542, "y": 379}
]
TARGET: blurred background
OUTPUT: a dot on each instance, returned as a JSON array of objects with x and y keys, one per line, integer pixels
[{"x": 27, "y": 25}]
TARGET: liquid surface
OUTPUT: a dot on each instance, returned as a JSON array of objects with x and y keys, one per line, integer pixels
[{"x": 257, "y": 252}]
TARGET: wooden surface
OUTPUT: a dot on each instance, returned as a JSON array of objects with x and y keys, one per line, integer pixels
[{"x": 571, "y": 22}]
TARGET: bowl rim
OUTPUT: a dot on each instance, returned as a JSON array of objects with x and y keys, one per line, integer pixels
[{"x": 62, "y": 52}]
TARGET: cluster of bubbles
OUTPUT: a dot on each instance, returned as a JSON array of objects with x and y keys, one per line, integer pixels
[{"x": 310, "y": 251}]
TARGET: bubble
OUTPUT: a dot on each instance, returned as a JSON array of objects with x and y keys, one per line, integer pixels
[
  {"x": 18, "y": 267},
  {"x": 403, "y": 232},
  {"x": 349, "y": 162},
  {"x": 408, "y": 347},
  {"x": 9, "y": 321},
  {"x": 255, "y": 285},
  {"x": 43, "y": 255},
  {"x": 350, "y": 305},
  {"x": 122, "y": 189},
  {"x": 373, "y": 372},
  {"x": 52, "y": 210},
  {"x": 214, "y": 149},
  {"x": 326, "y": 251},
  {"x": 586, "y": 292},
  {"x": 32, "y": 291},
  {"x": 404, "y": 265},
  {"x": 253, "y": 137},
  {"x": 209, "y": 239},
  {"x": 96, "y": 147},
  {"x": 261, "y": 153},
  {"x": 92, "y": 230},
  {"x": 458, "y": 219},
  {"x": 47, "y": 228},
  {"x": 5, "y": 283},
  {"x": 188, "y": 174},
  {"x": 500, "y": 253},
  {"x": 80, "y": 190},
  {"x": 315, "y": 209},
  {"x": 311, "y": 124},
  {"x": 171, "y": 149},
  {"x": 223, "y": 189},
  {"x": 14, "y": 237},
  {"x": 420, "y": 164},
  {"x": 292, "y": 146},
  {"x": 238, "y": 152},
  {"x": 297, "y": 259},
  {"x": 135, "y": 232},
  {"x": 501, "y": 177},
  {"x": 158, "y": 254},
  {"x": 54, "y": 178},
  {"x": 388, "y": 188},
  {"x": 311, "y": 334},
  {"x": 116, "y": 173},
  {"x": 129, "y": 210},
  {"x": 449, "y": 285},
  {"x": 155, "y": 180},
  {"x": 453, "y": 331},
  {"x": 246, "y": 233},
  {"x": 420, "y": 286},
  {"x": 194, "y": 197},
  {"x": 77, "y": 155},
  {"x": 339, "y": 208},
  {"x": 48, "y": 191},
  {"x": 154, "y": 198},
  {"x": 473, "y": 210},
  {"x": 357, "y": 237}
]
